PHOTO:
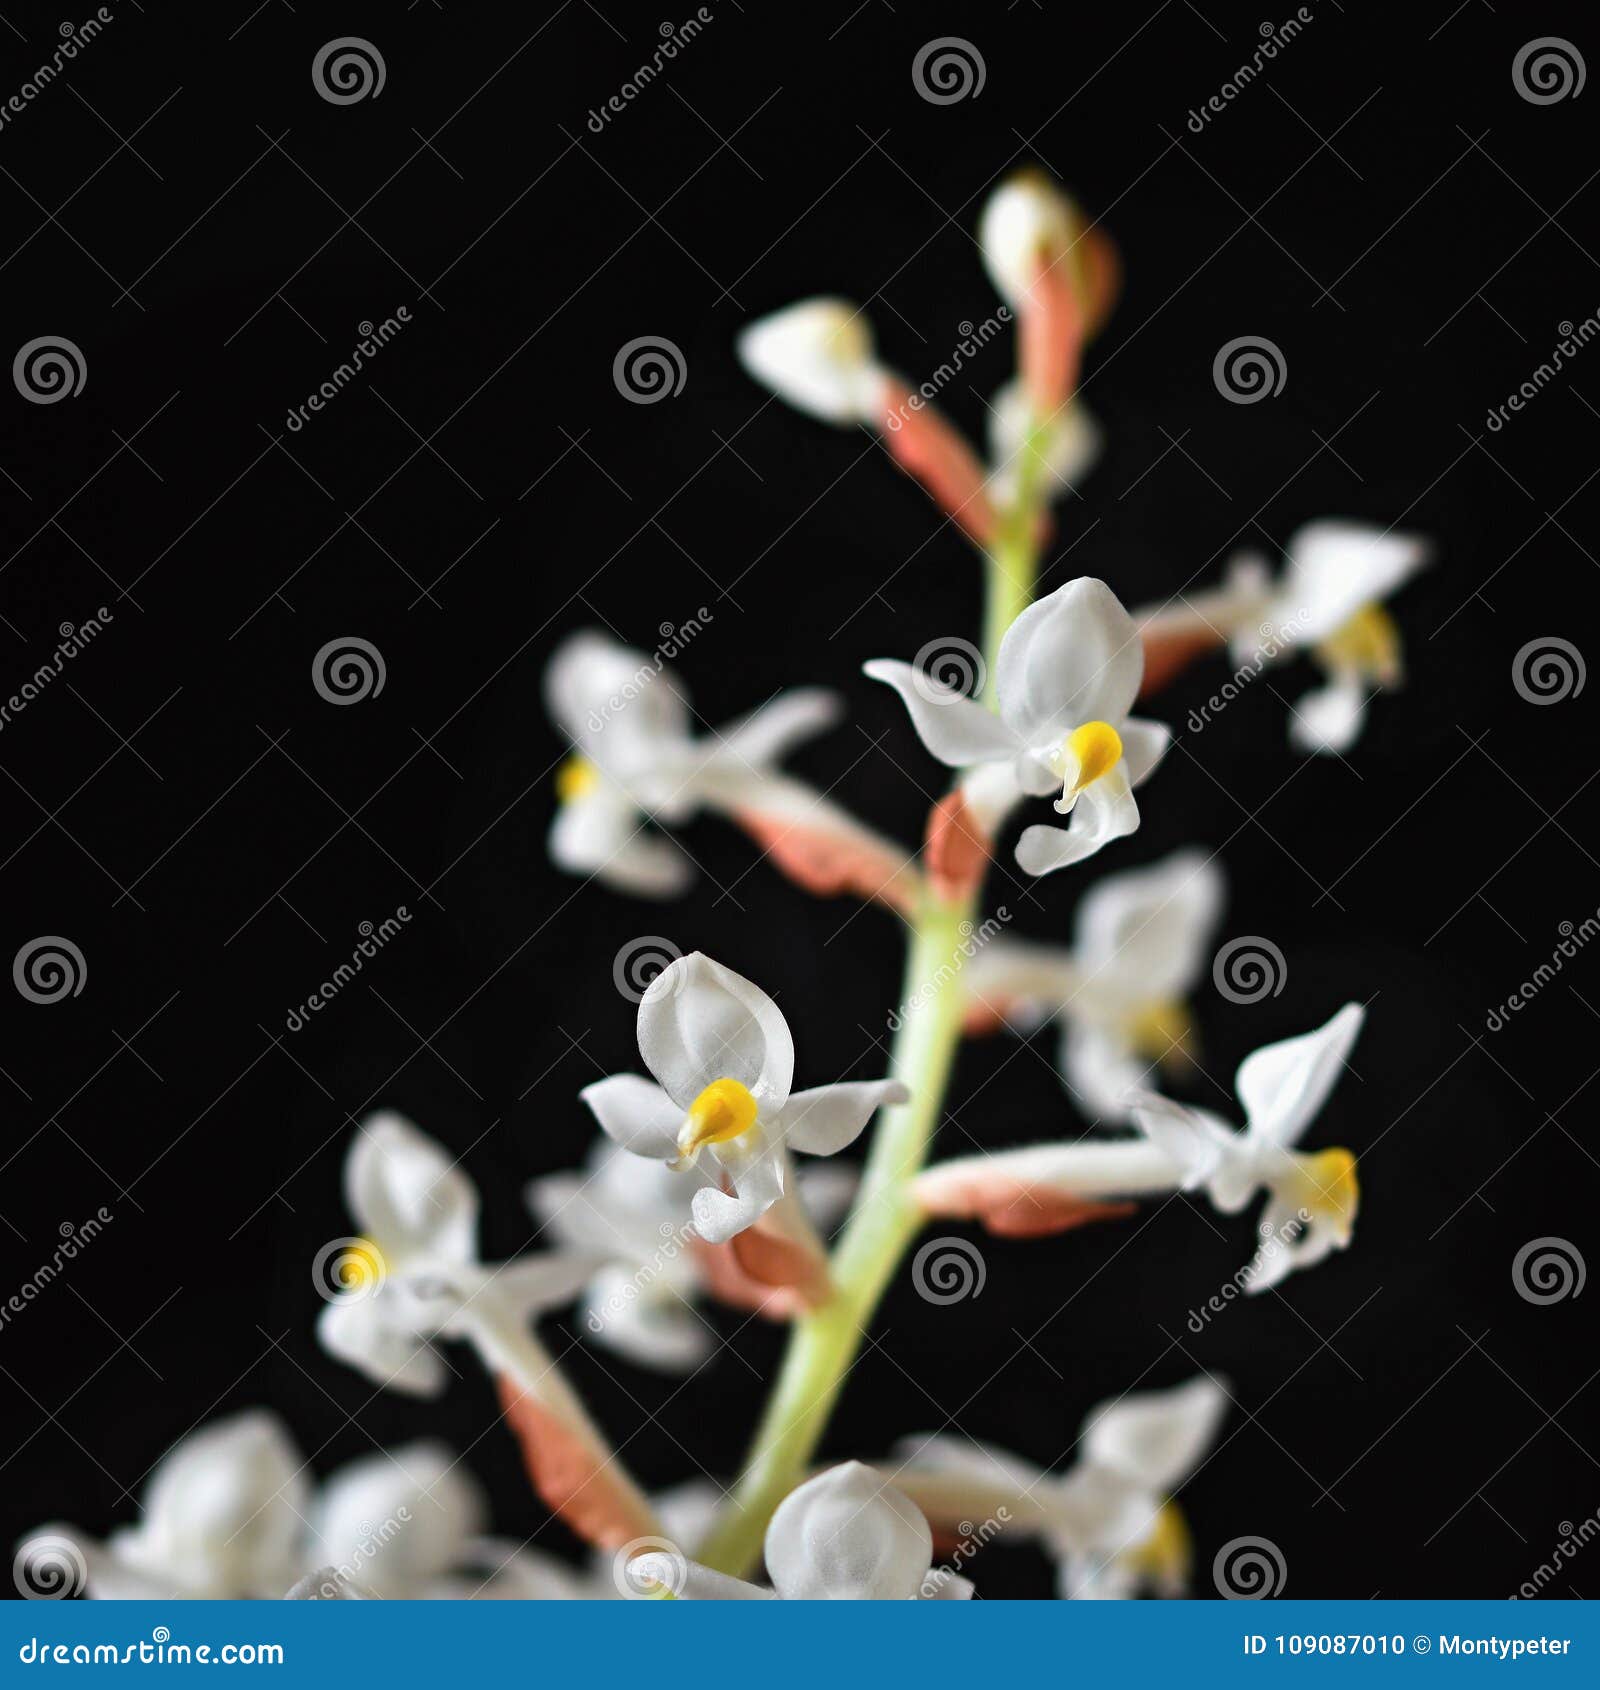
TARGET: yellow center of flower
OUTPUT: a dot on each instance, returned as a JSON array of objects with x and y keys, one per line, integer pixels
[
  {"x": 1329, "y": 1187},
  {"x": 1164, "y": 1032},
  {"x": 576, "y": 778},
  {"x": 360, "y": 1268},
  {"x": 1369, "y": 643},
  {"x": 1087, "y": 753},
  {"x": 1165, "y": 1555},
  {"x": 724, "y": 1110}
]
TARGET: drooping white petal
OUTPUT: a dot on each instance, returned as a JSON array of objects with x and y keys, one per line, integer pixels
[
  {"x": 1071, "y": 657},
  {"x": 848, "y": 1535},
  {"x": 1336, "y": 567},
  {"x": 603, "y": 834},
  {"x": 956, "y": 729},
  {"x": 1156, "y": 1438},
  {"x": 769, "y": 733},
  {"x": 759, "y": 1178},
  {"x": 408, "y": 1194},
  {"x": 1329, "y": 718},
  {"x": 700, "y": 1022},
  {"x": 827, "y": 1118},
  {"x": 398, "y": 1519},
  {"x": 1283, "y": 1085},
  {"x": 1105, "y": 811},
  {"x": 357, "y": 1331},
  {"x": 817, "y": 355},
  {"x": 636, "y": 1113}
]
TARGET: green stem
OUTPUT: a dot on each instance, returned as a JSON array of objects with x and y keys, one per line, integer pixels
[{"x": 1013, "y": 556}]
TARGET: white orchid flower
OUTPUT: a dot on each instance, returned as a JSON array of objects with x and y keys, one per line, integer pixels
[
  {"x": 723, "y": 1060},
  {"x": 1109, "y": 1521},
  {"x": 635, "y": 757},
  {"x": 845, "y": 1536},
  {"x": 1328, "y": 600},
  {"x": 1067, "y": 446},
  {"x": 642, "y": 1302},
  {"x": 1141, "y": 943},
  {"x": 1312, "y": 1198},
  {"x": 818, "y": 355},
  {"x": 1067, "y": 674},
  {"x": 414, "y": 1277}
]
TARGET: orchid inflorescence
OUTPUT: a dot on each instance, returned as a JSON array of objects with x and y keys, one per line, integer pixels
[{"x": 709, "y": 1179}]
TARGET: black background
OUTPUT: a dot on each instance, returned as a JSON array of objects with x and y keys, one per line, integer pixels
[{"x": 183, "y": 806}]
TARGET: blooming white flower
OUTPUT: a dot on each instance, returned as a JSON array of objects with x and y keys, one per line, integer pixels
[
  {"x": 818, "y": 355},
  {"x": 638, "y": 1212},
  {"x": 1140, "y": 946},
  {"x": 635, "y": 757},
  {"x": 1311, "y": 1198},
  {"x": 723, "y": 1060},
  {"x": 846, "y": 1535},
  {"x": 1067, "y": 674},
  {"x": 1108, "y": 1522},
  {"x": 1328, "y": 599}
]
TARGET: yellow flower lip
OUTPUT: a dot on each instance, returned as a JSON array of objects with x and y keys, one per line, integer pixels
[
  {"x": 576, "y": 778},
  {"x": 1163, "y": 1031},
  {"x": 1087, "y": 753},
  {"x": 360, "y": 1269},
  {"x": 1330, "y": 1186},
  {"x": 724, "y": 1111},
  {"x": 1368, "y": 643},
  {"x": 1166, "y": 1555}
]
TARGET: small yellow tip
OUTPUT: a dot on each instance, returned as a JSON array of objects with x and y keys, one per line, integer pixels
[
  {"x": 1166, "y": 1555},
  {"x": 1369, "y": 643},
  {"x": 1163, "y": 1031},
  {"x": 576, "y": 778},
  {"x": 1088, "y": 752},
  {"x": 725, "y": 1110},
  {"x": 1331, "y": 1185},
  {"x": 360, "y": 1268}
]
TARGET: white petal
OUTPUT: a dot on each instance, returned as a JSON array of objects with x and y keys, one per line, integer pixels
[
  {"x": 770, "y": 733},
  {"x": 603, "y": 834},
  {"x": 689, "y": 1581},
  {"x": 1156, "y": 1438},
  {"x": 636, "y": 1114},
  {"x": 1069, "y": 452},
  {"x": 827, "y": 1118},
  {"x": 1008, "y": 972},
  {"x": 1071, "y": 657},
  {"x": 956, "y": 729},
  {"x": 848, "y": 1535},
  {"x": 1104, "y": 811},
  {"x": 1101, "y": 1067},
  {"x": 1283, "y": 1085},
  {"x": 759, "y": 1178},
  {"x": 1329, "y": 719},
  {"x": 1337, "y": 567},
  {"x": 1196, "y": 1141},
  {"x": 613, "y": 702},
  {"x": 818, "y": 356},
  {"x": 1144, "y": 744},
  {"x": 700, "y": 1022},
  {"x": 397, "y": 1519},
  {"x": 644, "y": 1320},
  {"x": 408, "y": 1194},
  {"x": 1022, "y": 219},
  {"x": 991, "y": 791},
  {"x": 356, "y": 1331},
  {"x": 1145, "y": 934}
]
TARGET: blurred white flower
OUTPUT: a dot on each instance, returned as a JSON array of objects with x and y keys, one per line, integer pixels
[
  {"x": 1067, "y": 675},
  {"x": 1068, "y": 445},
  {"x": 1141, "y": 943},
  {"x": 818, "y": 355},
  {"x": 1109, "y": 1521}
]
